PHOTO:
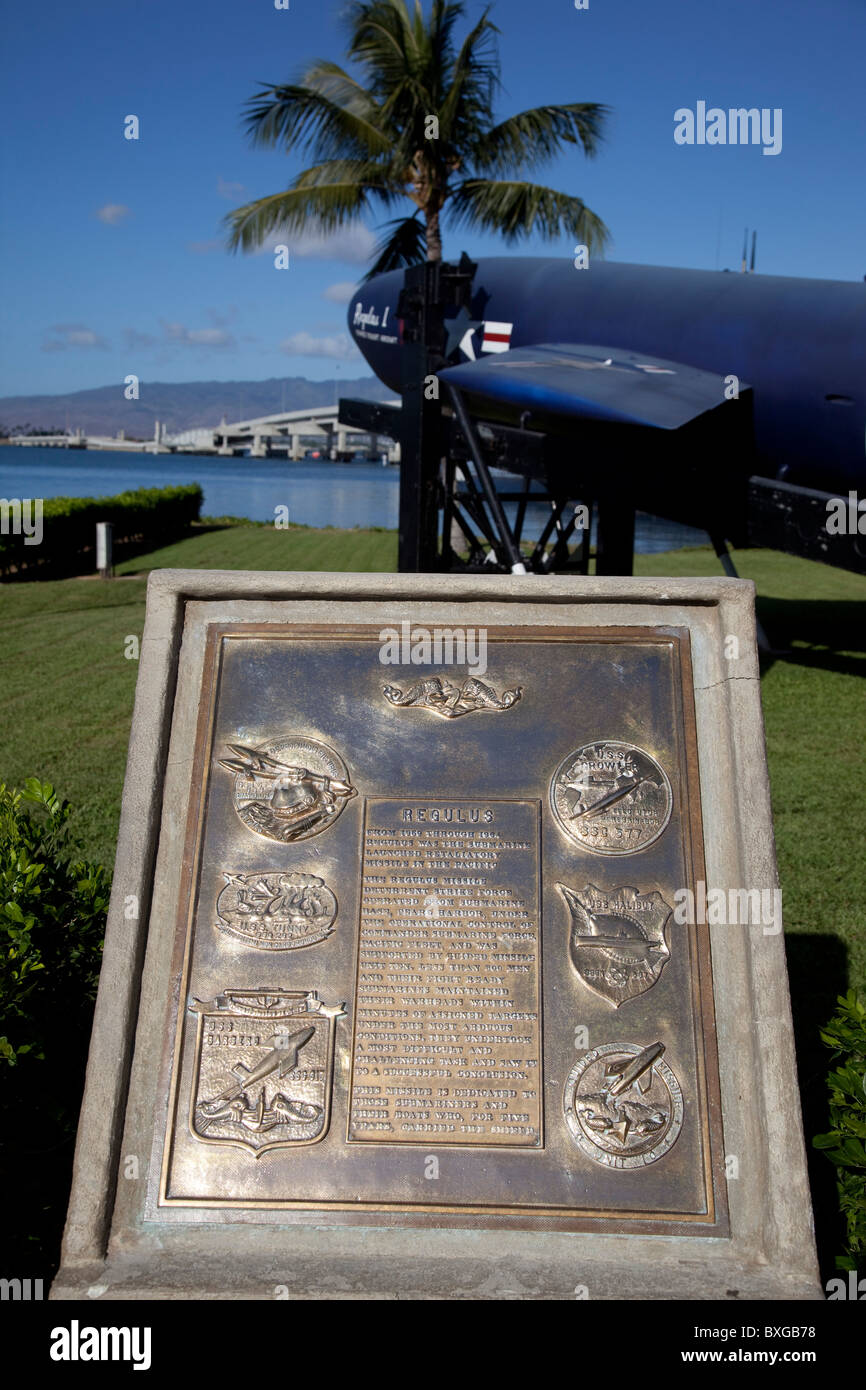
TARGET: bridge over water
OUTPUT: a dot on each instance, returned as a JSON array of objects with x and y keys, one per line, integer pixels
[{"x": 288, "y": 432}]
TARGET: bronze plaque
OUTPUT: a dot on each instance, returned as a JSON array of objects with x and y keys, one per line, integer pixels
[{"x": 429, "y": 968}]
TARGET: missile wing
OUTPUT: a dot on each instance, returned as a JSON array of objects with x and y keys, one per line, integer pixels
[{"x": 582, "y": 381}]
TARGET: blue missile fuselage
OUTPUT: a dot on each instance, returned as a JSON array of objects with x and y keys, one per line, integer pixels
[{"x": 800, "y": 344}]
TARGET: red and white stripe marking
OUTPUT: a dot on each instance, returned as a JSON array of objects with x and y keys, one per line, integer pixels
[{"x": 497, "y": 337}]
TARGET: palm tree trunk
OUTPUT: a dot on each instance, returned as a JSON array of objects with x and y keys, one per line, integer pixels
[{"x": 434, "y": 235}]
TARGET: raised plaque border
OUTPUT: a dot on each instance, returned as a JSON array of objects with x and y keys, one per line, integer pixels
[{"x": 713, "y": 1222}]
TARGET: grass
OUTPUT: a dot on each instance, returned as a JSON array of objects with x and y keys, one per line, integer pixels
[
  {"x": 66, "y": 696},
  {"x": 66, "y": 688},
  {"x": 264, "y": 548},
  {"x": 67, "y": 691}
]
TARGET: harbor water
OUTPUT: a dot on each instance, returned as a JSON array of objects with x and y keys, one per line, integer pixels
[{"x": 316, "y": 491}]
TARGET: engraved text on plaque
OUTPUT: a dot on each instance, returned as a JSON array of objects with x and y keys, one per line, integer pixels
[{"x": 447, "y": 1029}]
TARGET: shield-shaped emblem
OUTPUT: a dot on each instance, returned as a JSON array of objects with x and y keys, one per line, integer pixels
[
  {"x": 617, "y": 939},
  {"x": 263, "y": 1071}
]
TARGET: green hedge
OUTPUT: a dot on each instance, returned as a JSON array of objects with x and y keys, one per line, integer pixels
[
  {"x": 52, "y": 920},
  {"x": 149, "y": 516},
  {"x": 845, "y": 1142}
]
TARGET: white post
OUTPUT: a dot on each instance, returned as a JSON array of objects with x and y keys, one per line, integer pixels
[{"x": 103, "y": 549}]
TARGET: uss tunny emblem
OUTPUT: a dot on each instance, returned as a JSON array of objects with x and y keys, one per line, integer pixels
[
  {"x": 617, "y": 939},
  {"x": 276, "y": 911},
  {"x": 264, "y": 1064}
]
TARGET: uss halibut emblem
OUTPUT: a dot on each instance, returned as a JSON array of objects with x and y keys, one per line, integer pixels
[{"x": 617, "y": 939}]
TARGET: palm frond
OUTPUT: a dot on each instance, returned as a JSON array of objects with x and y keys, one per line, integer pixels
[
  {"x": 334, "y": 83},
  {"x": 405, "y": 245},
  {"x": 382, "y": 41},
  {"x": 535, "y": 136},
  {"x": 297, "y": 116},
  {"x": 321, "y": 208},
  {"x": 371, "y": 173},
  {"x": 514, "y": 210},
  {"x": 473, "y": 80}
]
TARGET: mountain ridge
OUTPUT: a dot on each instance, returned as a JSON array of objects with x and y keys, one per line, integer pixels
[{"x": 179, "y": 405}]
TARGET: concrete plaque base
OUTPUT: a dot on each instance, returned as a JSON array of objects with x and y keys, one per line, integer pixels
[{"x": 444, "y": 956}]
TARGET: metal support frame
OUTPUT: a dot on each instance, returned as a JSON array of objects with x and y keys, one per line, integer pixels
[{"x": 510, "y": 549}]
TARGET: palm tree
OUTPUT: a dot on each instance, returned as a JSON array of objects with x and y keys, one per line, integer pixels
[{"x": 417, "y": 126}]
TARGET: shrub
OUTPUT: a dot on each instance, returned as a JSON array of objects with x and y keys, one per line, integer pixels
[
  {"x": 145, "y": 516},
  {"x": 52, "y": 921},
  {"x": 845, "y": 1142}
]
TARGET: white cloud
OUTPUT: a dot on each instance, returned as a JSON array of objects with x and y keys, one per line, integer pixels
[
  {"x": 134, "y": 338},
  {"x": 197, "y": 337},
  {"x": 205, "y": 248},
  {"x": 112, "y": 213},
  {"x": 341, "y": 292},
  {"x": 72, "y": 335},
  {"x": 227, "y": 189},
  {"x": 338, "y": 346},
  {"x": 354, "y": 245}
]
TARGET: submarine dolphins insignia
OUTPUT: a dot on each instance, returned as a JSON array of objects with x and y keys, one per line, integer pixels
[
  {"x": 288, "y": 789},
  {"x": 264, "y": 1069},
  {"x": 617, "y": 939},
  {"x": 451, "y": 701},
  {"x": 623, "y": 1105}
]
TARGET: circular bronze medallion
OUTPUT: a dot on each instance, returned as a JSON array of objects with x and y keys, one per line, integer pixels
[
  {"x": 289, "y": 788},
  {"x": 623, "y": 1105},
  {"x": 611, "y": 798}
]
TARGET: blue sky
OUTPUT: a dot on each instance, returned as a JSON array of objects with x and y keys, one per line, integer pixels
[{"x": 112, "y": 252}]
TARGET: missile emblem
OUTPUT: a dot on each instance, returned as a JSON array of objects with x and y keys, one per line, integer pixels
[
  {"x": 290, "y": 788},
  {"x": 623, "y": 1105},
  {"x": 264, "y": 1069}
]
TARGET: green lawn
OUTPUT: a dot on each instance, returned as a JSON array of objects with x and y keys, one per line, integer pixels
[
  {"x": 66, "y": 696},
  {"x": 265, "y": 548}
]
